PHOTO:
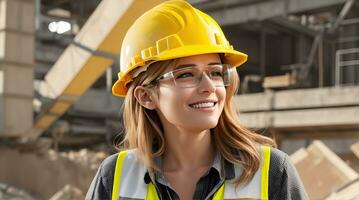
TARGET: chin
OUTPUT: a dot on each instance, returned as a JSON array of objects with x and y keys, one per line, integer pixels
[{"x": 205, "y": 125}]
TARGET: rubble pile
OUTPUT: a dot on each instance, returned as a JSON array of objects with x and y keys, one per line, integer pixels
[
  {"x": 8, "y": 192},
  {"x": 69, "y": 192},
  {"x": 84, "y": 157},
  {"x": 47, "y": 173}
]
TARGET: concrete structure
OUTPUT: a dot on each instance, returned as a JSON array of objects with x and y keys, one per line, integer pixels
[
  {"x": 302, "y": 109},
  {"x": 17, "y": 22},
  {"x": 254, "y": 10},
  {"x": 93, "y": 50},
  {"x": 305, "y": 35}
]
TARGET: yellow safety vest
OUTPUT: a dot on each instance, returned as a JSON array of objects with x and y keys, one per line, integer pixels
[{"x": 129, "y": 172}]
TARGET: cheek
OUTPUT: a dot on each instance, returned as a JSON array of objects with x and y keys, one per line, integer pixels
[
  {"x": 171, "y": 102},
  {"x": 221, "y": 93}
]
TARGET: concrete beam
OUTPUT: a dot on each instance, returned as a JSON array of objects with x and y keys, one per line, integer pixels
[
  {"x": 324, "y": 117},
  {"x": 298, "y": 99},
  {"x": 266, "y": 9},
  {"x": 302, "y": 109},
  {"x": 283, "y": 21},
  {"x": 77, "y": 69}
]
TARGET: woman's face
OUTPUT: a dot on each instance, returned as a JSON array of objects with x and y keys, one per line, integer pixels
[{"x": 194, "y": 108}]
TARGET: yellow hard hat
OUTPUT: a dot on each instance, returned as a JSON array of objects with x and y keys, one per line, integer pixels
[{"x": 173, "y": 29}]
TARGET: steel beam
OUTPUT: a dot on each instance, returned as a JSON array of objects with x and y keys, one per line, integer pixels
[{"x": 266, "y": 9}]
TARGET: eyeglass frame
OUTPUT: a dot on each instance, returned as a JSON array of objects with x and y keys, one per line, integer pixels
[{"x": 228, "y": 68}]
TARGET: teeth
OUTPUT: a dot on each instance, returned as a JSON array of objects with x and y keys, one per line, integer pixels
[{"x": 203, "y": 105}]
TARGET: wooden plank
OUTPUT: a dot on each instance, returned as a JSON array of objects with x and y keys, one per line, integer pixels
[{"x": 278, "y": 81}]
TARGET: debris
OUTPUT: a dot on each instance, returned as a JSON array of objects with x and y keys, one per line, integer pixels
[
  {"x": 52, "y": 171},
  {"x": 69, "y": 192},
  {"x": 8, "y": 192},
  {"x": 321, "y": 170},
  {"x": 85, "y": 157}
]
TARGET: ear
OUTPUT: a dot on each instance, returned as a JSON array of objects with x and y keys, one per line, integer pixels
[{"x": 143, "y": 96}]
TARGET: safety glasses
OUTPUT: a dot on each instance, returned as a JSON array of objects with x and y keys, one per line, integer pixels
[{"x": 189, "y": 77}]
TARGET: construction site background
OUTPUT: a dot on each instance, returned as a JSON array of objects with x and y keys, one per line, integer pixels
[{"x": 59, "y": 59}]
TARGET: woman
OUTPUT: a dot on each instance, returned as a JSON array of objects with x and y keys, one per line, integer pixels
[{"x": 178, "y": 78}]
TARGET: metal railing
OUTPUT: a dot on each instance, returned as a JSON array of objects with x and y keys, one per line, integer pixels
[{"x": 339, "y": 63}]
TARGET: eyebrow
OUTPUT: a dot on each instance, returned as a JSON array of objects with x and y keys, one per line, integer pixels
[{"x": 193, "y": 65}]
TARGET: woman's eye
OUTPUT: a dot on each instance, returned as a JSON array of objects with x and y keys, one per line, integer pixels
[
  {"x": 184, "y": 75},
  {"x": 216, "y": 74}
]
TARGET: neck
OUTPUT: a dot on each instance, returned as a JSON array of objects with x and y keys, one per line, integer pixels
[{"x": 187, "y": 150}]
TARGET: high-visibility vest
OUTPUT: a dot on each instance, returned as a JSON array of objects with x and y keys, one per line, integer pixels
[{"x": 129, "y": 180}]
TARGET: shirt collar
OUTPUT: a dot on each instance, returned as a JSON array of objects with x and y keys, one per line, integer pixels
[{"x": 227, "y": 173}]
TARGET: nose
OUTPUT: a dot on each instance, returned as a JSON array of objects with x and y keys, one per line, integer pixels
[{"x": 206, "y": 84}]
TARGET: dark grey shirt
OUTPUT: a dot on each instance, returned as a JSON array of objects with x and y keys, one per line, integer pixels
[{"x": 284, "y": 182}]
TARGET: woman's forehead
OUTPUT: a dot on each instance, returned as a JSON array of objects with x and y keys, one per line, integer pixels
[{"x": 197, "y": 60}]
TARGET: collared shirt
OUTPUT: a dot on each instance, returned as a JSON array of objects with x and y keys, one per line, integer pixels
[
  {"x": 206, "y": 186},
  {"x": 284, "y": 182}
]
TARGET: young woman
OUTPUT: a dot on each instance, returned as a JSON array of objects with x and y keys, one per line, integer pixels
[{"x": 182, "y": 134}]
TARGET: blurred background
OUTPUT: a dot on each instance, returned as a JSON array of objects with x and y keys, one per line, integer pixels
[{"x": 59, "y": 59}]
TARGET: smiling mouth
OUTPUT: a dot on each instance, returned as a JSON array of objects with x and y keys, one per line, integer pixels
[{"x": 203, "y": 105}]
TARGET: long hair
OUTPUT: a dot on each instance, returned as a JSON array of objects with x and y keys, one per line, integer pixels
[{"x": 144, "y": 132}]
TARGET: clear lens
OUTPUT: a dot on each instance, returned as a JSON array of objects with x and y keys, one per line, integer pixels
[{"x": 192, "y": 76}]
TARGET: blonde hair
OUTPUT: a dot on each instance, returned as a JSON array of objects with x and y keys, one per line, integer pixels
[{"x": 143, "y": 129}]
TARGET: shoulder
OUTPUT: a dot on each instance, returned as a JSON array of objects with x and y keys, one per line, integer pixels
[
  {"x": 284, "y": 181},
  {"x": 101, "y": 185},
  {"x": 280, "y": 165},
  {"x": 277, "y": 159},
  {"x": 107, "y": 167}
]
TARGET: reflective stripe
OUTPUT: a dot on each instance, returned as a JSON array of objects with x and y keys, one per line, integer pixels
[
  {"x": 220, "y": 193},
  {"x": 151, "y": 192},
  {"x": 129, "y": 180},
  {"x": 257, "y": 188},
  {"x": 117, "y": 176},
  {"x": 265, "y": 172}
]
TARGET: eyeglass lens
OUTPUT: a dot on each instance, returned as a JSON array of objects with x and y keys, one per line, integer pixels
[{"x": 192, "y": 76}]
